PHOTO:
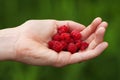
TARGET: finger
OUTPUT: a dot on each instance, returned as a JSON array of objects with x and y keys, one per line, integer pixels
[
  {"x": 99, "y": 35},
  {"x": 83, "y": 56},
  {"x": 91, "y": 37},
  {"x": 99, "y": 49},
  {"x": 91, "y": 28},
  {"x": 103, "y": 24},
  {"x": 73, "y": 25}
]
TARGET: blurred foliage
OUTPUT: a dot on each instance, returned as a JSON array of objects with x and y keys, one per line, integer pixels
[{"x": 104, "y": 67}]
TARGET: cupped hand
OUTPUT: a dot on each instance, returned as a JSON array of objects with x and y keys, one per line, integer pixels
[{"x": 32, "y": 48}]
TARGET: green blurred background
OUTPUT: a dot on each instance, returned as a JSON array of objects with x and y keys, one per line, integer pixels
[{"x": 104, "y": 67}]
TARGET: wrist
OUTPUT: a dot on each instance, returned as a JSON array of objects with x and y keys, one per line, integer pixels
[{"x": 8, "y": 38}]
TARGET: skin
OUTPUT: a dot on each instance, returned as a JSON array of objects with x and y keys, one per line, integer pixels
[{"x": 27, "y": 43}]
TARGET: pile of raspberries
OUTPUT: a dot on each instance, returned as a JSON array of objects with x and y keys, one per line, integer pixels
[{"x": 66, "y": 40}]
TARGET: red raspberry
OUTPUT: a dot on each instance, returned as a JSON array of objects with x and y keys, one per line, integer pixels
[
  {"x": 50, "y": 44},
  {"x": 65, "y": 37},
  {"x": 57, "y": 46},
  {"x": 78, "y": 44},
  {"x": 84, "y": 45},
  {"x": 72, "y": 40},
  {"x": 64, "y": 45},
  {"x": 72, "y": 47},
  {"x": 56, "y": 37},
  {"x": 76, "y": 35},
  {"x": 63, "y": 29}
]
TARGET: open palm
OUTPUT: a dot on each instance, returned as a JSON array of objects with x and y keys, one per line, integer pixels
[{"x": 32, "y": 47}]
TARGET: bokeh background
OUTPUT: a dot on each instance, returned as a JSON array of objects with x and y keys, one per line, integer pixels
[{"x": 104, "y": 67}]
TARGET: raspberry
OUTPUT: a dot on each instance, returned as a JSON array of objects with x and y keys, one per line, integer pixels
[
  {"x": 63, "y": 29},
  {"x": 76, "y": 35},
  {"x": 71, "y": 40},
  {"x": 50, "y": 44},
  {"x": 72, "y": 48},
  {"x": 78, "y": 44},
  {"x": 57, "y": 46},
  {"x": 56, "y": 37},
  {"x": 64, "y": 45},
  {"x": 84, "y": 45},
  {"x": 65, "y": 37}
]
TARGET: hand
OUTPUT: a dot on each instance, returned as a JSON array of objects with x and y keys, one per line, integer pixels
[{"x": 31, "y": 46}]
